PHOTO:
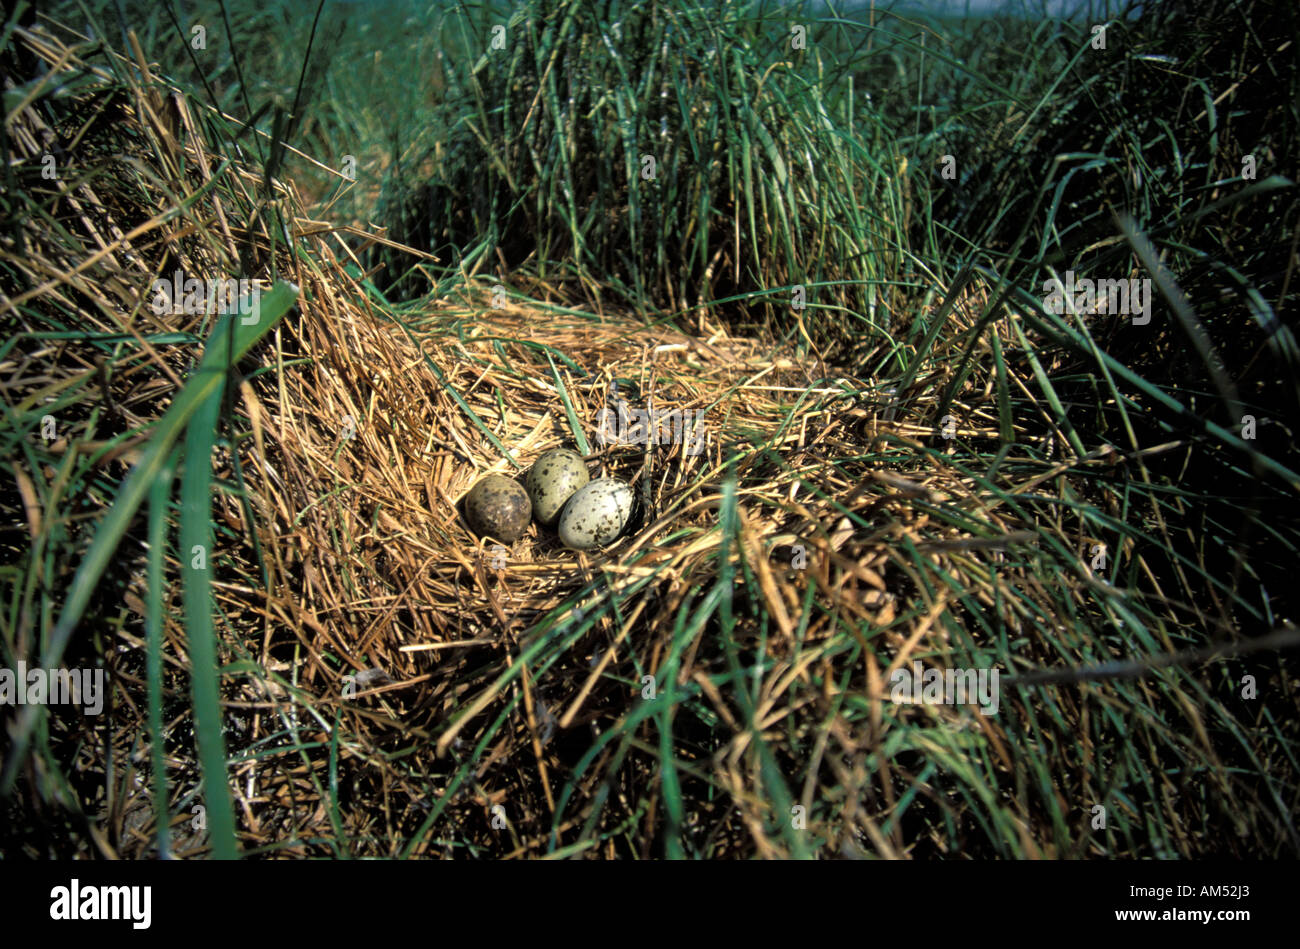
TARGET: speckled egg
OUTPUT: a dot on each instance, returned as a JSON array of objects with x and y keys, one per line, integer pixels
[
  {"x": 498, "y": 506},
  {"x": 552, "y": 481},
  {"x": 596, "y": 514}
]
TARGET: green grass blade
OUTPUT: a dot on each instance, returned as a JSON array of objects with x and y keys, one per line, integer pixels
[
  {"x": 575, "y": 426},
  {"x": 159, "y": 493},
  {"x": 196, "y": 557}
]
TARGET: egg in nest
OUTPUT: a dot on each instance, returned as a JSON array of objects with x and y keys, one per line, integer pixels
[
  {"x": 498, "y": 507},
  {"x": 554, "y": 478},
  {"x": 596, "y": 514}
]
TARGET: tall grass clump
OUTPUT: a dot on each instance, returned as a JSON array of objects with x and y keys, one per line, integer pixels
[
  {"x": 1167, "y": 155},
  {"x": 1160, "y": 157},
  {"x": 662, "y": 155}
]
